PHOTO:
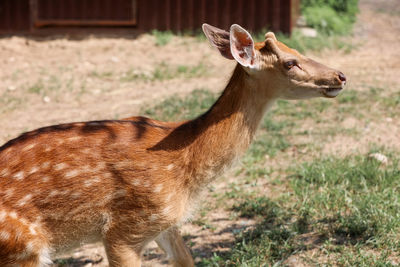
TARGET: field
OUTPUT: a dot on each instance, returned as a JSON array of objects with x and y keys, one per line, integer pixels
[{"x": 311, "y": 190}]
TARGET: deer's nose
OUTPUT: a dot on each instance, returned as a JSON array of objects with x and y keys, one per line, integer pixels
[{"x": 341, "y": 76}]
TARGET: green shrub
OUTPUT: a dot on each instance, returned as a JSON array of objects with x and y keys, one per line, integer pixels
[
  {"x": 347, "y": 7},
  {"x": 327, "y": 21},
  {"x": 330, "y": 17}
]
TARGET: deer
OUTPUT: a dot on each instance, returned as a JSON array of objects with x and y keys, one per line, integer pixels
[{"x": 128, "y": 182}]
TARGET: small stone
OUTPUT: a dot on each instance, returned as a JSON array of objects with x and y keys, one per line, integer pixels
[
  {"x": 379, "y": 157},
  {"x": 115, "y": 59},
  {"x": 46, "y": 99},
  {"x": 11, "y": 88},
  {"x": 388, "y": 119},
  {"x": 308, "y": 32}
]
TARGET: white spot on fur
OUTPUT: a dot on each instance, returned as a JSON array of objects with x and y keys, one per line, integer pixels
[
  {"x": 100, "y": 166},
  {"x": 33, "y": 170},
  {"x": 166, "y": 210},
  {"x": 13, "y": 215},
  {"x": 71, "y": 173},
  {"x": 120, "y": 193},
  {"x": 3, "y": 215},
  {"x": 45, "y": 179},
  {"x": 107, "y": 198},
  {"x": 88, "y": 183},
  {"x": 158, "y": 188},
  {"x": 65, "y": 192},
  {"x": 4, "y": 235},
  {"x": 86, "y": 168},
  {"x": 53, "y": 193},
  {"x": 60, "y": 141},
  {"x": 9, "y": 192},
  {"x": 45, "y": 165},
  {"x": 29, "y": 147},
  {"x": 60, "y": 166},
  {"x": 76, "y": 195},
  {"x": 23, "y": 221},
  {"x": 153, "y": 217},
  {"x": 32, "y": 229},
  {"x": 30, "y": 247},
  {"x": 4, "y": 173},
  {"x": 24, "y": 200},
  {"x": 19, "y": 175},
  {"x": 168, "y": 198},
  {"x": 74, "y": 138},
  {"x": 146, "y": 183},
  {"x": 170, "y": 167},
  {"x": 136, "y": 182}
]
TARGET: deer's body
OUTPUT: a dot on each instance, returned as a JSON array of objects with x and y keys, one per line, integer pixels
[{"x": 124, "y": 182}]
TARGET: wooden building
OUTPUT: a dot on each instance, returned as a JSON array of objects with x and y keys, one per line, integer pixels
[{"x": 60, "y": 16}]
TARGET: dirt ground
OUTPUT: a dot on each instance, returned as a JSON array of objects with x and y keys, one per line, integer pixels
[{"x": 63, "y": 79}]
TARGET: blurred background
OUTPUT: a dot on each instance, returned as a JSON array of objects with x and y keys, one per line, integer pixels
[{"x": 320, "y": 185}]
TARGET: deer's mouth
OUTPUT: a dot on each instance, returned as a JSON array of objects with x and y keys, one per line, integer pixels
[{"x": 331, "y": 91}]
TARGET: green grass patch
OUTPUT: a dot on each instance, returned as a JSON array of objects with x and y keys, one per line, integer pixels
[
  {"x": 162, "y": 38},
  {"x": 330, "y": 17},
  {"x": 37, "y": 88},
  {"x": 265, "y": 145},
  {"x": 350, "y": 205},
  {"x": 101, "y": 75},
  {"x": 357, "y": 195}
]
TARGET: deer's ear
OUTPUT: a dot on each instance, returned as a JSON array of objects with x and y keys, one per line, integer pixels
[
  {"x": 219, "y": 39},
  {"x": 242, "y": 46}
]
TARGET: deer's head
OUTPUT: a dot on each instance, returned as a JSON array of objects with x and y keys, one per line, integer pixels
[{"x": 290, "y": 74}]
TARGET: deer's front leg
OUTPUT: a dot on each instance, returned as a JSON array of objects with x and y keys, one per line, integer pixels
[
  {"x": 172, "y": 243},
  {"x": 122, "y": 254}
]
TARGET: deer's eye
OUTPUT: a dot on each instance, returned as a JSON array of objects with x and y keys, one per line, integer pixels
[{"x": 290, "y": 64}]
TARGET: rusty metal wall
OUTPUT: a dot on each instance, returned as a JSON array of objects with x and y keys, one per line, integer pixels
[
  {"x": 14, "y": 16},
  {"x": 83, "y": 12},
  {"x": 175, "y": 15},
  {"x": 182, "y": 15}
]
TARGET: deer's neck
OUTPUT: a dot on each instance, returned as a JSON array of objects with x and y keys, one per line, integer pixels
[{"x": 227, "y": 129}]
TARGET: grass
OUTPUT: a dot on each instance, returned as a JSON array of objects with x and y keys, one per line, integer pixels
[
  {"x": 349, "y": 205},
  {"x": 162, "y": 38}
]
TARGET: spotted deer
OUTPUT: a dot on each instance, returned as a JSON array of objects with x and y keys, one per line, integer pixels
[{"x": 130, "y": 181}]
